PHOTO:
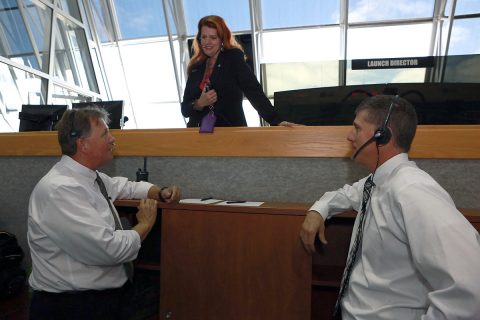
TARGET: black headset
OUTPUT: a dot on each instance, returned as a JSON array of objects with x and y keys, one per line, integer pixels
[
  {"x": 74, "y": 133},
  {"x": 383, "y": 134}
]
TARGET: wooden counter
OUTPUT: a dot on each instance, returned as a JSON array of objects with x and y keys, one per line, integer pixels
[
  {"x": 233, "y": 262},
  {"x": 434, "y": 142}
]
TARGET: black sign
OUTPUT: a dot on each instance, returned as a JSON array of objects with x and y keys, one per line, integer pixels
[{"x": 393, "y": 63}]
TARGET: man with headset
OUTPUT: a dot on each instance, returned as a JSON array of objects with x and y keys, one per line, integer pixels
[
  {"x": 412, "y": 254},
  {"x": 81, "y": 254}
]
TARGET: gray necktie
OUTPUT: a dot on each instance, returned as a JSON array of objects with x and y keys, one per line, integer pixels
[
  {"x": 352, "y": 257},
  {"x": 128, "y": 266}
]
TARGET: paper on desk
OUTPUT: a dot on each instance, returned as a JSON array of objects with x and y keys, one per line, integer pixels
[
  {"x": 245, "y": 204},
  {"x": 200, "y": 201}
]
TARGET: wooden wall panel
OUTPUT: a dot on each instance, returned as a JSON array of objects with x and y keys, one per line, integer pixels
[{"x": 233, "y": 265}]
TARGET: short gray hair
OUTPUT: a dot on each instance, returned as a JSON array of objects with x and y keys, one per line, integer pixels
[{"x": 75, "y": 123}]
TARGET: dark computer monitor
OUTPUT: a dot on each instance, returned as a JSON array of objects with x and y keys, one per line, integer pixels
[
  {"x": 40, "y": 117},
  {"x": 323, "y": 106},
  {"x": 435, "y": 103},
  {"x": 114, "y": 109}
]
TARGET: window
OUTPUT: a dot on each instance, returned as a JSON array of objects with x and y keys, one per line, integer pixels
[
  {"x": 382, "y": 10},
  {"x": 236, "y": 13},
  {"x": 300, "y": 13}
]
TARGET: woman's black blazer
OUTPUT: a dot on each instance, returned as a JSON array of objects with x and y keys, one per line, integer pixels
[{"x": 231, "y": 78}]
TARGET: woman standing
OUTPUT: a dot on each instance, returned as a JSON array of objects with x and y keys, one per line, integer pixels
[{"x": 218, "y": 77}]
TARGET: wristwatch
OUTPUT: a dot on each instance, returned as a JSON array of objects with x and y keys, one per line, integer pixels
[{"x": 160, "y": 197}]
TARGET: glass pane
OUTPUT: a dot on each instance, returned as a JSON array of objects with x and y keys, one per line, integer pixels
[
  {"x": 39, "y": 18},
  {"x": 467, "y": 7},
  {"x": 156, "y": 115},
  {"x": 464, "y": 68},
  {"x": 103, "y": 23},
  {"x": 101, "y": 77},
  {"x": 464, "y": 37},
  {"x": 22, "y": 88},
  {"x": 116, "y": 80},
  {"x": 300, "y": 13},
  {"x": 389, "y": 42},
  {"x": 71, "y": 7},
  {"x": 299, "y": 75},
  {"x": 150, "y": 64},
  {"x": 275, "y": 44},
  {"x": 140, "y": 19},
  {"x": 251, "y": 115},
  {"x": 236, "y": 13},
  {"x": 27, "y": 46},
  {"x": 114, "y": 72},
  {"x": 379, "y": 10},
  {"x": 72, "y": 57}
]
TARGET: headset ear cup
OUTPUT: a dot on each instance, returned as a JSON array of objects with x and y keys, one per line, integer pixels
[{"x": 382, "y": 136}]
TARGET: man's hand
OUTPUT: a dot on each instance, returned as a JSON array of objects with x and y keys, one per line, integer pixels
[
  {"x": 170, "y": 194},
  {"x": 146, "y": 217},
  {"x": 312, "y": 224}
]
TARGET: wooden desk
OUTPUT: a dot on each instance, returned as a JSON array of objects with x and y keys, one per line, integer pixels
[
  {"x": 219, "y": 262},
  {"x": 233, "y": 262}
]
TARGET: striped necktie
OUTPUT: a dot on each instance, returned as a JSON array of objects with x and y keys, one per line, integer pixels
[
  {"x": 352, "y": 257},
  {"x": 128, "y": 266}
]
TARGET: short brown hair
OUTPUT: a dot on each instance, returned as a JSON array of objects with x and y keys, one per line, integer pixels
[{"x": 403, "y": 117}]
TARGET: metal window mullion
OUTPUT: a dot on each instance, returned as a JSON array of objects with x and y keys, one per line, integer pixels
[
  {"x": 114, "y": 20},
  {"x": 342, "y": 66},
  {"x": 256, "y": 25},
  {"x": 176, "y": 11},
  {"x": 182, "y": 33},
  {"x": 51, "y": 57},
  {"x": 437, "y": 22},
  {"x": 442, "y": 60},
  {"x": 256, "y": 29},
  {"x": 436, "y": 39},
  {"x": 450, "y": 26}
]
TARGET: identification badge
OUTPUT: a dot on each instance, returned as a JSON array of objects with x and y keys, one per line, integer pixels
[{"x": 208, "y": 123}]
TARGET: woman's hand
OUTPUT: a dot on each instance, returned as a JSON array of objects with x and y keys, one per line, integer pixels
[
  {"x": 290, "y": 124},
  {"x": 207, "y": 98}
]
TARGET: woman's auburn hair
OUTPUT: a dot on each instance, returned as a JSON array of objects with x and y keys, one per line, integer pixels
[{"x": 224, "y": 33}]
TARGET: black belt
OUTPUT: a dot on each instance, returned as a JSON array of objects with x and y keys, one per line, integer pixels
[{"x": 84, "y": 292}]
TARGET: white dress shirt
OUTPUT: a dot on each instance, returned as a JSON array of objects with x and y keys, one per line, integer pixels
[
  {"x": 420, "y": 257},
  {"x": 71, "y": 231}
]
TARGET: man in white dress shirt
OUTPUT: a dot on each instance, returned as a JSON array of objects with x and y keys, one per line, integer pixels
[
  {"x": 79, "y": 252},
  {"x": 419, "y": 257}
]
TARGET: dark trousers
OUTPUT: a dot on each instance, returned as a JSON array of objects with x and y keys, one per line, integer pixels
[{"x": 82, "y": 305}]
